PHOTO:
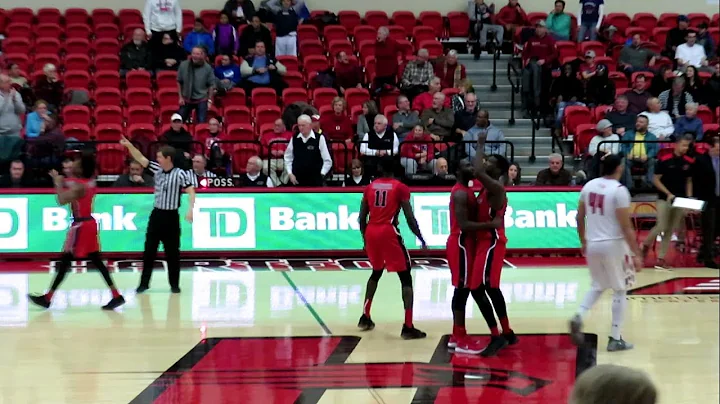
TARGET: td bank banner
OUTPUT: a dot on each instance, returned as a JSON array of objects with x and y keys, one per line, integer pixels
[{"x": 274, "y": 221}]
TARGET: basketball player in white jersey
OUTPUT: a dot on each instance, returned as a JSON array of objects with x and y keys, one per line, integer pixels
[{"x": 609, "y": 244}]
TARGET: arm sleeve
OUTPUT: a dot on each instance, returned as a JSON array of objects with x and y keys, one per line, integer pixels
[
  {"x": 325, "y": 153},
  {"x": 364, "y": 149},
  {"x": 601, "y": 9},
  {"x": 154, "y": 167},
  {"x": 270, "y": 183},
  {"x": 288, "y": 157},
  {"x": 147, "y": 16},
  {"x": 396, "y": 145},
  {"x": 622, "y": 197},
  {"x": 403, "y": 192},
  {"x": 178, "y": 17}
]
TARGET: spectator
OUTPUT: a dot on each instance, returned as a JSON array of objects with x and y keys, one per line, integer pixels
[
  {"x": 227, "y": 74},
  {"x": 196, "y": 84},
  {"x": 424, "y": 101},
  {"x": 35, "y": 121},
  {"x": 511, "y": 17},
  {"x": 16, "y": 76},
  {"x": 676, "y": 36},
  {"x": 613, "y": 384},
  {"x": 660, "y": 123},
  {"x": 465, "y": 119},
  {"x": 416, "y": 152},
  {"x": 48, "y": 87},
  {"x": 337, "y": 126},
  {"x": 225, "y": 36},
  {"x": 558, "y": 22},
  {"x": 673, "y": 178},
  {"x": 690, "y": 123},
  {"x": 693, "y": 84},
  {"x": 358, "y": 177},
  {"x": 307, "y": 158},
  {"x": 600, "y": 89},
  {"x": 638, "y": 96},
  {"x": 347, "y": 75},
  {"x": 404, "y": 119},
  {"x": 441, "y": 177},
  {"x": 286, "y": 23},
  {"x": 438, "y": 120},
  {"x": 136, "y": 54},
  {"x": 199, "y": 37},
  {"x": 369, "y": 111},
  {"x": 662, "y": 80},
  {"x": 17, "y": 177},
  {"x": 588, "y": 68},
  {"x": 711, "y": 93},
  {"x": 262, "y": 70},
  {"x": 276, "y": 142},
  {"x": 555, "y": 175},
  {"x": 217, "y": 158},
  {"x": 597, "y": 150},
  {"x": 418, "y": 75},
  {"x": 254, "y": 176},
  {"x": 11, "y": 109},
  {"x": 620, "y": 117},
  {"x": 387, "y": 54},
  {"x": 135, "y": 177},
  {"x": 316, "y": 124},
  {"x": 590, "y": 18},
  {"x": 690, "y": 54},
  {"x": 539, "y": 55},
  {"x": 483, "y": 127},
  {"x": 514, "y": 175},
  {"x": 199, "y": 167},
  {"x": 706, "y": 187},
  {"x": 457, "y": 101},
  {"x": 451, "y": 72},
  {"x": 169, "y": 56},
  {"x": 635, "y": 58},
  {"x": 674, "y": 100},
  {"x": 240, "y": 11},
  {"x": 179, "y": 138},
  {"x": 162, "y": 17},
  {"x": 380, "y": 141},
  {"x": 705, "y": 40},
  {"x": 568, "y": 91},
  {"x": 481, "y": 22},
  {"x": 252, "y": 34},
  {"x": 637, "y": 152}
]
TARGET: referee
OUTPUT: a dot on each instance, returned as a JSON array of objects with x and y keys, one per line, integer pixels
[{"x": 164, "y": 223}]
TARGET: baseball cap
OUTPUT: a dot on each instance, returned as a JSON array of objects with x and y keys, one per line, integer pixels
[
  {"x": 540, "y": 23},
  {"x": 603, "y": 124},
  {"x": 683, "y": 18},
  {"x": 176, "y": 117},
  {"x": 315, "y": 118},
  {"x": 590, "y": 54}
]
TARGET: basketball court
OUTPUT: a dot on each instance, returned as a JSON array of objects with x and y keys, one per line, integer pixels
[{"x": 285, "y": 332}]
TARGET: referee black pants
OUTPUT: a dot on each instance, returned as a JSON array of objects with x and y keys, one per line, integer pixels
[
  {"x": 163, "y": 226},
  {"x": 709, "y": 222}
]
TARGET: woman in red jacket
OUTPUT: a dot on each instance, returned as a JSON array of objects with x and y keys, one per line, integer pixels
[
  {"x": 337, "y": 126},
  {"x": 416, "y": 151}
]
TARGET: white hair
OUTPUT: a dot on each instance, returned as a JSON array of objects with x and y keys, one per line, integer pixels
[
  {"x": 48, "y": 67},
  {"x": 691, "y": 105},
  {"x": 304, "y": 118},
  {"x": 382, "y": 118},
  {"x": 384, "y": 30},
  {"x": 440, "y": 93},
  {"x": 256, "y": 160},
  {"x": 423, "y": 51},
  {"x": 554, "y": 156}
]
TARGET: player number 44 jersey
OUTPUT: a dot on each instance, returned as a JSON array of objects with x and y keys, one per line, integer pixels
[{"x": 602, "y": 197}]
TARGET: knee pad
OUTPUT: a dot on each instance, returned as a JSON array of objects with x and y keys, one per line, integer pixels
[
  {"x": 459, "y": 300},
  {"x": 376, "y": 274},
  {"x": 405, "y": 279}
]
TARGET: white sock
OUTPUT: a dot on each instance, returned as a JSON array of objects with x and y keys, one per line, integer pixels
[
  {"x": 591, "y": 298},
  {"x": 619, "y": 305}
]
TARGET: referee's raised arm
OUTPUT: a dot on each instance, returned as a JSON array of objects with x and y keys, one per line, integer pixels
[{"x": 134, "y": 152}]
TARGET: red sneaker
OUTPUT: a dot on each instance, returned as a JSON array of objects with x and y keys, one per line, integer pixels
[
  {"x": 469, "y": 346},
  {"x": 452, "y": 342}
]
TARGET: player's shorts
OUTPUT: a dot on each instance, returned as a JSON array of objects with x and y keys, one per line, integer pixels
[
  {"x": 610, "y": 264},
  {"x": 385, "y": 249},
  {"x": 460, "y": 250},
  {"x": 489, "y": 260},
  {"x": 82, "y": 239}
]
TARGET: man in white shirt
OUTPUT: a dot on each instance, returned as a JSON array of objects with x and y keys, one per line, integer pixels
[
  {"x": 307, "y": 158},
  {"x": 254, "y": 176},
  {"x": 380, "y": 141},
  {"x": 608, "y": 241},
  {"x": 690, "y": 54},
  {"x": 659, "y": 122},
  {"x": 162, "y": 17}
]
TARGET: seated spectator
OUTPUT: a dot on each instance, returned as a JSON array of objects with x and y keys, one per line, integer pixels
[
  {"x": 179, "y": 138},
  {"x": 512, "y": 16},
  {"x": 17, "y": 177},
  {"x": 659, "y": 122},
  {"x": 16, "y": 76},
  {"x": 635, "y": 58},
  {"x": 199, "y": 167},
  {"x": 418, "y": 76},
  {"x": 135, "y": 177},
  {"x": 711, "y": 93},
  {"x": 286, "y": 23},
  {"x": 337, "y": 126},
  {"x": 162, "y": 17},
  {"x": 136, "y": 55},
  {"x": 276, "y": 143},
  {"x": 252, "y": 34},
  {"x": 481, "y": 22},
  {"x": 438, "y": 120},
  {"x": 690, "y": 54},
  {"x": 567, "y": 90},
  {"x": 357, "y": 177},
  {"x": 693, "y": 84},
  {"x": 514, "y": 175},
  {"x": 493, "y": 136},
  {"x": 597, "y": 150},
  {"x": 387, "y": 54},
  {"x": 590, "y": 17},
  {"x": 240, "y": 11},
  {"x": 316, "y": 124},
  {"x": 417, "y": 152},
  {"x": 254, "y": 176},
  {"x": 369, "y": 111},
  {"x": 588, "y": 68},
  {"x": 225, "y": 36},
  {"x": 196, "y": 80},
  {"x": 217, "y": 159},
  {"x": 676, "y": 36},
  {"x": 457, "y": 101},
  {"x": 539, "y": 56},
  {"x": 674, "y": 100},
  {"x": 441, "y": 177},
  {"x": 35, "y": 121},
  {"x": 555, "y": 175},
  {"x": 451, "y": 72},
  {"x": 558, "y": 22},
  {"x": 404, "y": 119},
  {"x": 307, "y": 158},
  {"x": 49, "y": 87},
  {"x": 199, "y": 36},
  {"x": 425, "y": 100},
  {"x": 227, "y": 74},
  {"x": 690, "y": 123},
  {"x": 262, "y": 70},
  {"x": 600, "y": 89},
  {"x": 169, "y": 56},
  {"x": 380, "y": 141},
  {"x": 638, "y": 96},
  {"x": 662, "y": 80},
  {"x": 465, "y": 119},
  {"x": 620, "y": 117},
  {"x": 11, "y": 109},
  {"x": 347, "y": 75},
  {"x": 705, "y": 40},
  {"x": 637, "y": 152}
]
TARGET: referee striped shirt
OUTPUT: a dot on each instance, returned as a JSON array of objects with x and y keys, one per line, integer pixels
[{"x": 169, "y": 185}]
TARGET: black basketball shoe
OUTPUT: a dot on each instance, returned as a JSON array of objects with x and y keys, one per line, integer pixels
[{"x": 365, "y": 324}]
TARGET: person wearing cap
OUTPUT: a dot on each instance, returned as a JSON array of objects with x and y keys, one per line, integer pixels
[
  {"x": 589, "y": 19},
  {"x": 597, "y": 150},
  {"x": 558, "y": 22},
  {"x": 539, "y": 56},
  {"x": 180, "y": 139},
  {"x": 676, "y": 36},
  {"x": 588, "y": 69},
  {"x": 690, "y": 53}
]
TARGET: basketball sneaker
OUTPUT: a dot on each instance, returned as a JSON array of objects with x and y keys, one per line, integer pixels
[
  {"x": 510, "y": 337},
  {"x": 365, "y": 324},
  {"x": 576, "y": 334},
  {"x": 114, "y": 303},
  {"x": 452, "y": 342},
  {"x": 40, "y": 300},
  {"x": 618, "y": 345},
  {"x": 497, "y": 342},
  {"x": 468, "y": 346},
  {"x": 411, "y": 333}
]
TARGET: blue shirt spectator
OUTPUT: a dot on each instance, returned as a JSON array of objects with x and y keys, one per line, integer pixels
[
  {"x": 689, "y": 123},
  {"x": 228, "y": 73},
  {"x": 199, "y": 37},
  {"x": 484, "y": 127},
  {"x": 34, "y": 120}
]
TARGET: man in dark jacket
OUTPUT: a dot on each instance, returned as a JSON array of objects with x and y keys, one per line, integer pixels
[
  {"x": 179, "y": 138},
  {"x": 240, "y": 11},
  {"x": 252, "y": 34},
  {"x": 135, "y": 177},
  {"x": 17, "y": 178},
  {"x": 706, "y": 186},
  {"x": 135, "y": 55},
  {"x": 676, "y": 36}
]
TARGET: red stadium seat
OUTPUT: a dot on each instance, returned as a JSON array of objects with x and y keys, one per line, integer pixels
[
  {"x": 595, "y": 46},
  {"x": 107, "y": 96},
  {"x": 621, "y": 21},
  {"x": 76, "y": 16},
  {"x": 77, "y": 79},
  {"x": 290, "y": 95},
  {"x": 712, "y": 127},
  {"x": 407, "y": 48},
  {"x": 22, "y": 15},
  {"x": 108, "y": 132},
  {"x": 19, "y": 30},
  {"x": 234, "y": 97},
  {"x": 106, "y": 31},
  {"x": 108, "y": 115},
  {"x": 236, "y": 114},
  {"x": 337, "y": 46},
  {"x": 77, "y": 62},
  {"x": 333, "y": 32},
  {"x": 323, "y": 96},
  {"x": 668, "y": 20},
  {"x": 389, "y": 111},
  {"x": 76, "y": 46},
  {"x": 659, "y": 34},
  {"x": 75, "y": 114},
  {"x": 22, "y": 59},
  {"x": 128, "y": 16},
  {"x": 434, "y": 48},
  {"x": 600, "y": 111},
  {"x": 16, "y": 45},
  {"x": 188, "y": 17},
  {"x": 434, "y": 20},
  {"x": 78, "y": 31},
  {"x": 241, "y": 153},
  {"x": 311, "y": 47},
  {"x": 107, "y": 78},
  {"x": 459, "y": 24},
  {"x": 111, "y": 158},
  {"x": 79, "y": 131},
  {"x": 142, "y": 131},
  {"x": 536, "y": 16},
  {"x": 138, "y": 79},
  {"x": 315, "y": 63},
  {"x": 166, "y": 79},
  {"x": 165, "y": 114},
  {"x": 377, "y": 18},
  {"x": 405, "y": 19},
  {"x": 645, "y": 20},
  {"x": 127, "y": 31},
  {"x": 566, "y": 49},
  {"x": 619, "y": 78},
  {"x": 166, "y": 97},
  {"x": 210, "y": 17},
  {"x": 698, "y": 18},
  {"x": 366, "y": 49},
  {"x": 356, "y": 96},
  {"x": 307, "y": 32},
  {"x": 574, "y": 116},
  {"x": 397, "y": 32},
  {"x": 263, "y": 96},
  {"x": 364, "y": 33},
  {"x": 290, "y": 62},
  {"x": 342, "y": 155},
  {"x": 705, "y": 114},
  {"x": 103, "y": 16},
  {"x": 349, "y": 19},
  {"x": 583, "y": 135},
  {"x": 47, "y": 45},
  {"x": 106, "y": 47},
  {"x": 644, "y": 34},
  {"x": 266, "y": 114},
  {"x": 141, "y": 114},
  {"x": 294, "y": 79},
  {"x": 43, "y": 59},
  {"x": 54, "y": 31},
  {"x": 241, "y": 131},
  {"x": 423, "y": 33},
  {"x": 143, "y": 96}
]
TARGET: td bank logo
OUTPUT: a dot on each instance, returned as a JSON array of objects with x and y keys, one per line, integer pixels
[
  {"x": 13, "y": 223},
  {"x": 224, "y": 223},
  {"x": 433, "y": 216}
]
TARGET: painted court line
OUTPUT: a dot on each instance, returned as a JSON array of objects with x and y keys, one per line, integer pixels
[{"x": 312, "y": 311}]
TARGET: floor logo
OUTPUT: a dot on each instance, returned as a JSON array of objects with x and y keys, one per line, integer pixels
[
  {"x": 13, "y": 223},
  {"x": 681, "y": 286},
  {"x": 224, "y": 223}
]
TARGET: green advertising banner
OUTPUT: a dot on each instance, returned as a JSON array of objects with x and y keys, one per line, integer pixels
[{"x": 274, "y": 221}]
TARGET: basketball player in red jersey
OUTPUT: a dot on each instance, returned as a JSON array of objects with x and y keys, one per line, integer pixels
[
  {"x": 82, "y": 238},
  {"x": 382, "y": 201},
  {"x": 460, "y": 250}
]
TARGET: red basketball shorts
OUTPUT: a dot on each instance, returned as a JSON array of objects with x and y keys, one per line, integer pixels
[
  {"x": 385, "y": 249},
  {"x": 82, "y": 239},
  {"x": 460, "y": 249},
  {"x": 489, "y": 260}
]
